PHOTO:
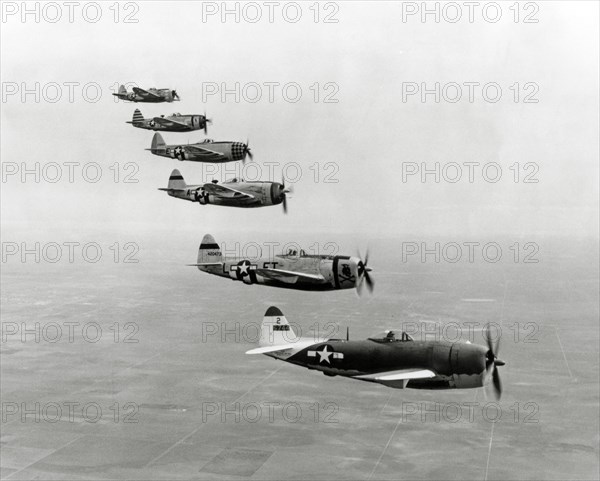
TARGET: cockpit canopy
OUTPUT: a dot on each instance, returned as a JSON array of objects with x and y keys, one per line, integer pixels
[
  {"x": 391, "y": 336},
  {"x": 233, "y": 181},
  {"x": 206, "y": 141},
  {"x": 176, "y": 114},
  {"x": 295, "y": 253}
]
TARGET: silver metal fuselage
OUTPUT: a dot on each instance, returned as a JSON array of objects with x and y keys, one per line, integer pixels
[{"x": 338, "y": 272}]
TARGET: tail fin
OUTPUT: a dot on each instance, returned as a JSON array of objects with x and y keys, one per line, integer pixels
[
  {"x": 137, "y": 117},
  {"x": 122, "y": 91},
  {"x": 275, "y": 330},
  {"x": 158, "y": 144},
  {"x": 209, "y": 251},
  {"x": 176, "y": 181}
]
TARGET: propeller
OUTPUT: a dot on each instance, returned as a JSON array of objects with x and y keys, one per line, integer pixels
[
  {"x": 206, "y": 122},
  {"x": 247, "y": 151},
  {"x": 363, "y": 274},
  {"x": 284, "y": 192},
  {"x": 175, "y": 95},
  {"x": 492, "y": 361}
]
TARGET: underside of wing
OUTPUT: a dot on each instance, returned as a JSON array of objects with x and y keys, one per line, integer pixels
[
  {"x": 210, "y": 155},
  {"x": 296, "y": 346},
  {"x": 226, "y": 192},
  {"x": 145, "y": 93},
  {"x": 289, "y": 277},
  {"x": 268, "y": 349},
  {"x": 168, "y": 122},
  {"x": 398, "y": 375}
]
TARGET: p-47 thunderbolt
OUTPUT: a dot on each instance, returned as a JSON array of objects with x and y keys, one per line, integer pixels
[
  {"x": 151, "y": 95},
  {"x": 392, "y": 358},
  {"x": 172, "y": 123},
  {"x": 292, "y": 270},
  {"x": 206, "y": 151},
  {"x": 232, "y": 193}
]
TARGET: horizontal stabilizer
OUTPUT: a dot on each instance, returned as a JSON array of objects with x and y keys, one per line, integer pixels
[{"x": 205, "y": 264}]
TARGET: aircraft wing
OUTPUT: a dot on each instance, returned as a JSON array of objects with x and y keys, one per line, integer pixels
[
  {"x": 145, "y": 94},
  {"x": 227, "y": 192},
  {"x": 267, "y": 349},
  {"x": 399, "y": 375},
  {"x": 211, "y": 155},
  {"x": 168, "y": 122},
  {"x": 289, "y": 277}
]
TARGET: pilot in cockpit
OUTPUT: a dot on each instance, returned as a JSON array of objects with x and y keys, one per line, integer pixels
[{"x": 391, "y": 337}]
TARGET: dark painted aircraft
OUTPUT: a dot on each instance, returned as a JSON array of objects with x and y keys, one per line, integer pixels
[{"x": 392, "y": 358}]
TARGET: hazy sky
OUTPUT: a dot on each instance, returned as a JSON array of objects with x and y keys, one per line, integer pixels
[{"x": 370, "y": 55}]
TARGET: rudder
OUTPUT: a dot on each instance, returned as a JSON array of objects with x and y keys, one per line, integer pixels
[
  {"x": 176, "y": 181},
  {"x": 275, "y": 330},
  {"x": 158, "y": 144},
  {"x": 137, "y": 117},
  {"x": 209, "y": 251}
]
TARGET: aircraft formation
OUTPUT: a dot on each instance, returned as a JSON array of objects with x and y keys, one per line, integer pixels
[{"x": 393, "y": 358}]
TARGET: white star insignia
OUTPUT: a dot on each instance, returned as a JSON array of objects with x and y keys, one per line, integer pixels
[
  {"x": 324, "y": 355},
  {"x": 244, "y": 268}
]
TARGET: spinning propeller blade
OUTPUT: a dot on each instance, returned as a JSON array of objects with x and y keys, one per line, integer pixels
[
  {"x": 493, "y": 362},
  {"x": 363, "y": 274}
]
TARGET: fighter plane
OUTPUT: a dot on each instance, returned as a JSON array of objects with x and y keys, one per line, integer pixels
[
  {"x": 292, "y": 270},
  {"x": 392, "y": 358},
  {"x": 151, "y": 95},
  {"x": 206, "y": 151},
  {"x": 172, "y": 123},
  {"x": 232, "y": 193}
]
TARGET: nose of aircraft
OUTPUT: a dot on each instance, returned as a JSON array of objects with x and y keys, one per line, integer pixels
[
  {"x": 239, "y": 151},
  {"x": 279, "y": 194},
  {"x": 469, "y": 358}
]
